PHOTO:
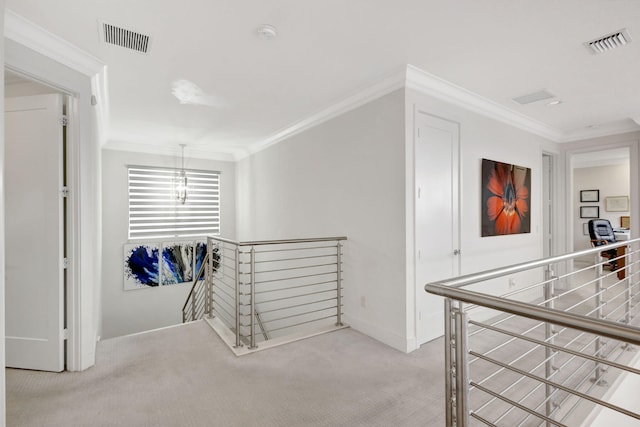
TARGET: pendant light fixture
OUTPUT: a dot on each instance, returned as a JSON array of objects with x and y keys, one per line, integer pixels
[{"x": 181, "y": 181}]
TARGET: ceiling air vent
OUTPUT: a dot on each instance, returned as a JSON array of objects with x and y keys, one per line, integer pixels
[
  {"x": 125, "y": 38},
  {"x": 610, "y": 41},
  {"x": 533, "y": 97}
]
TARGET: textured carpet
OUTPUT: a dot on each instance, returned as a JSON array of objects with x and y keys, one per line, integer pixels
[{"x": 185, "y": 376}]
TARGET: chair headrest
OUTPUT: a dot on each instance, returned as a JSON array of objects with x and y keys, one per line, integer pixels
[{"x": 601, "y": 229}]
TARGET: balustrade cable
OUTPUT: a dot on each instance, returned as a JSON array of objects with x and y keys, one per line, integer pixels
[
  {"x": 542, "y": 354},
  {"x": 262, "y": 292}
]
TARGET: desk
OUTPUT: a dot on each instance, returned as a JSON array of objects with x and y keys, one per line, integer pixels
[{"x": 620, "y": 252}]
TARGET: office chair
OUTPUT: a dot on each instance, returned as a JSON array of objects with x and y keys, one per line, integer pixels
[{"x": 601, "y": 233}]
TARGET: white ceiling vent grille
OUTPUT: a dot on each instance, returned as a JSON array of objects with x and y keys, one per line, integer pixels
[
  {"x": 533, "y": 97},
  {"x": 125, "y": 38},
  {"x": 610, "y": 41}
]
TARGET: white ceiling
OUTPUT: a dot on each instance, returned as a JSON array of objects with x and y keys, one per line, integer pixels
[{"x": 327, "y": 50}]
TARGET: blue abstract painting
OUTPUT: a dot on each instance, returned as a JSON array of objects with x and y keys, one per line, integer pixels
[
  {"x": 177, "y": 263},
  {"x": 201, "y": 253},
  {"x": 141, "y": 266}
]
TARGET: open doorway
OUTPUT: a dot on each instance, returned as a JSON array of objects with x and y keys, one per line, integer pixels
[
  {"x": 35, "y": 223},
  {"x": 601, "y": 184}
]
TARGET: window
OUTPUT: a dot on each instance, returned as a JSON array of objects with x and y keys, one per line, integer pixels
[{"x": 155, "y": 212}]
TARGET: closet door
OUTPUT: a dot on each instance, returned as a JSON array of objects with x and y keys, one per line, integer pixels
[
  {"x": 34, "y": 233},
  {"x": 437, "y": 217}
]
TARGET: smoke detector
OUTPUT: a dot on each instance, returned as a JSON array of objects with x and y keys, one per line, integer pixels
[
  {"x": 609, "y": 42},
  {"x": 267, "y": 32},
  {"x": 125, "y": 38}
]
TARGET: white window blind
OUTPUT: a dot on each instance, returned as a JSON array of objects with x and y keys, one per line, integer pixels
[{"x": 155, "y": 212}]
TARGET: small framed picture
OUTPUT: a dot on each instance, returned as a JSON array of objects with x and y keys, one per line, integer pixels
[
  {"x": 589, "y": 211},
  {"x": 616, "y": 204},
  {"x": 585, "y": 228},
  {"x": 590, "y": 195}
]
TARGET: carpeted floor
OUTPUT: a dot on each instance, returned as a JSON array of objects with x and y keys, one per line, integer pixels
[{"x": 185, "y": 376}]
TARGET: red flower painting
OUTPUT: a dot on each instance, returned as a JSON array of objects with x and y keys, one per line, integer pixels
[{"x": 506, "y": 198}]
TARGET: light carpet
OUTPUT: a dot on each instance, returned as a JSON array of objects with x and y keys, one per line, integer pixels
[{"x": 185, "y": 376}]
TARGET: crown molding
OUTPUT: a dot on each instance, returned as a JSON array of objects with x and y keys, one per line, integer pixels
[
  {"x": 168, "y": 150},
  {"x": 414, "y": 78},
  {"x": 42, "y": 41},
  {"x": 429, "y": 84},
  {"x": 38, "y": 39},
  {"x": 383, "y": 87}
]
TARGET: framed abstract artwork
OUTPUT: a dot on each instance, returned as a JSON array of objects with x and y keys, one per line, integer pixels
[
  {"x": 177, "y": 263},
  {"x": 505, "y": 202},
  {"x": 141, "y": 265}
]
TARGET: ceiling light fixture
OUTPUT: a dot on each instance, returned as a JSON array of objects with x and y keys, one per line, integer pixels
[
  {"x": 181, "y": 181},
  {"x": 554, "y": 102},
  {"x": 267, "y": 32}
]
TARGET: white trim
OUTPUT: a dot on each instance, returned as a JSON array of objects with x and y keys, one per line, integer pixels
[
  {"x": 431, "y": 85},
  {"x": 38, "y": 39},
  {"x": 166, "y": 150},
  {"x": 385, "y": 86}
]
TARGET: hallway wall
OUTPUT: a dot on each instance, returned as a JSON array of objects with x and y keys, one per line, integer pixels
[{"x": 127, "y": 312}]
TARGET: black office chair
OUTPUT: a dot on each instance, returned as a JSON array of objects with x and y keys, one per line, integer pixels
[{"x": 601, "y": 233}]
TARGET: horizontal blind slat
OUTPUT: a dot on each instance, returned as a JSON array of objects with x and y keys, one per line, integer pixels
[{"x": 154, "y": 211}]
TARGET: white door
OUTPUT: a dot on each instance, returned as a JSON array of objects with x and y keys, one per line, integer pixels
[
  {"x": 34, "y": 233},
  {"x": 436, "y": 217}
]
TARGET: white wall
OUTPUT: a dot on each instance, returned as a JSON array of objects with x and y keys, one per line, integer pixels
[
  {"x": 353, "y": 175},
  {"x": 3, "y": 405},
  {"x": 342, "y": 177},
  {"x": 83, "y": 296},
  {"x": 480, "y": 137},
  {"x": 611, "y": 180},
  {"x": 126, "y": 312}
]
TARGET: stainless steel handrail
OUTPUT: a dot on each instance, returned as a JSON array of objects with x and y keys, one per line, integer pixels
[
  {"x": 472, "y": 278},
  {"x": 601, "y": 327},
  {"x": 591, "y": 319},
  {"x": 279, "y": 242},
  {"x": 200, "y": 274},
  {"x": 292, "y": 272}
]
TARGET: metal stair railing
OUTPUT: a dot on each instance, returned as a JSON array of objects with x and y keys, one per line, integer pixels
[
  {"x": 272, "y": 290},
  {"x": 542, "y": 354}
]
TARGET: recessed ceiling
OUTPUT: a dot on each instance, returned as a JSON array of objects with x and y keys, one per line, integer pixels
[{"x": 327, "y": 50}]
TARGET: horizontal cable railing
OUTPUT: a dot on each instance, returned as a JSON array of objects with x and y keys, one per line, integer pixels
[
  {"x": 266, "y": 290},
  {"x": 542, "y": 354}
]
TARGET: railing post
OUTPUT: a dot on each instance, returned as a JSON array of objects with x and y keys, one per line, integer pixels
[
  {"x": 252, "y": 263},
  {"x": 193, "y": 305},
  {"x": 448, "y": 364},
  {"x": 461, "y": 367},
  {"x": 339, "y": 283},
  {"x": 237, "y": 259},
  {"x": 598, "y": 342},
  {"x": 549, "y": 291}
]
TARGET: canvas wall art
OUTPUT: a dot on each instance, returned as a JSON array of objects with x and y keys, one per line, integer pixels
[
  {"x": 200, "y": 254},
  {"x": 141, "y": 265},
  {"x": 177, "y": 263},
  {"x": 506, "y": 190}
]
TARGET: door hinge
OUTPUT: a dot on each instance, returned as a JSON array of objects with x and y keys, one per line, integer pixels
[
  {"x": 65, "y": 334},
  {"x": 64, "y": 120},
  {"x": 65, "y": 191},
  {"x": 65, "y": 263}
]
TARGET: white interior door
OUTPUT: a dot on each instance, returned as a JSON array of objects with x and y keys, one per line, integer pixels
[
  {"x": 34, "y": 227},
  {"x": 437, "y": 217}
]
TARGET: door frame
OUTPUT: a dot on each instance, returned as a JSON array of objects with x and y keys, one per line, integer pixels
[
  {"x": 43, "y": 57},
  {"x": 416, "y": 288}
]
